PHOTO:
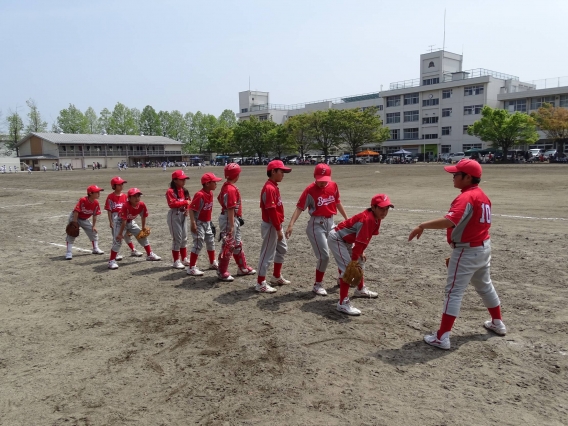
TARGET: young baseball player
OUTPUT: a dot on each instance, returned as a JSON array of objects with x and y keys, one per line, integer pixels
[
  {"x": 321, "y": 198},
  {"x": 200, "y": 216},
  {"x": 467, "y": 226},
  {"x": 178, "y": 200},
  {"x": 348, "y": 241},
  {"x": 230, "y": 221},
  {"x": 130, "y": 211},
  {"x": 113, "y": 205},
  {"x": 273, "y": 240},
  {"x": 86, "y": 207}
]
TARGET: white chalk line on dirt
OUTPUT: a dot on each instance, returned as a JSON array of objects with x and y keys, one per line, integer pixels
[
  {"x": 58, "y": 245},
  {"x": 20, "y": 205}
]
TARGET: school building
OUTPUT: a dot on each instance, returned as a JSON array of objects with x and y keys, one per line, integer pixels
[
  {"x": 430, "y": 113},
  {"x": 82, "y": 150}
]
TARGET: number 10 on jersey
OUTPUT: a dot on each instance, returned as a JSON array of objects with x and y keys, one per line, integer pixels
[{"x": 485, "y": 213}]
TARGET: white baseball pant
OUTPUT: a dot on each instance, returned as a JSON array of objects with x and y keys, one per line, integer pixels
[
  {"x": 177, "y": 224},
  {"x": 87, "y": 227},
  {"x": 204, "y": 234},
  {"x": 131, "y": 227},
  {"x": 272, "y": 249},
  {"x": 341, "y": 252},
  {"x": 318, "y": 230}
]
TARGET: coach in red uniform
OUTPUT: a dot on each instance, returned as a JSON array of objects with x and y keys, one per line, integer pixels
[{"x": 467, "y": 224}]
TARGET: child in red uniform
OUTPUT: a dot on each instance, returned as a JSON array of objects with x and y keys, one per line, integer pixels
[
  {"x": 130, "y": 211},
  {"x": 200, "y": 211},
  {"x": 273, "y": 240},
  {"x": 230, "y": 222},
  {"x": 348, "y": 241},
  {"x": 114, "y": 202},
  {"x": 86, "y": 207},
  {"x": 321, "y": 198},
  {"x": 178, "y": 201}
]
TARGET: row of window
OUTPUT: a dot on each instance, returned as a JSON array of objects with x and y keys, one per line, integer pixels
[
  {"x": 413, "y": 133},
  {"x": 521, "y": 104},
  {"x": 409, "y": 116},
  {"x": 413, "y": 98},
  {"x": 447, "y": 149},
  {"x": 66, "y": 148}
]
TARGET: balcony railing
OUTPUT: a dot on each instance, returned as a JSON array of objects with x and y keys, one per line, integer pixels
[
  {"x": 340, "y": 100},
  {"x": 474, "y": 73},
  {"x": 118, "y": 153}
]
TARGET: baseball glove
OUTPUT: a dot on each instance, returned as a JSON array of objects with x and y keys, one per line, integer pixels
[
  {"x": 72, "y": 229},
  {"x": 143, "y": 233},
  {"x": 214, "y": 230},
  {"x": 353, "y": 274},
  {"x": 241, "y": 221}
]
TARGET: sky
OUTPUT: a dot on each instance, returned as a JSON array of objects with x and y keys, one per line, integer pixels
[{"x": 194, "y": 56}]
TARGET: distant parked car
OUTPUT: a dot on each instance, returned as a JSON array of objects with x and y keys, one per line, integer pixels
[{"x": 457, "y": 157}]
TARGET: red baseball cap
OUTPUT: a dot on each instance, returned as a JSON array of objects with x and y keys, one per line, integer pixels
[
  {"x": 179, "y": 174},
  {"x": 134, "y": 191},
  {"x": 93, "y": 188},
  {"x": 117, "y": 180},
  {"x": 232, "y": 170},
  {"x": 469, "y": 167},
  {"x": 277, "y": 164},
  {"x": 322, "y": 173},
  {"x": 209, "y": 177},
  {"x": 381, "y": 200}
]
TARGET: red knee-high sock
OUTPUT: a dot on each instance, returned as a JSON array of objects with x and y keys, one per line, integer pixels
[
  {"x": 343, "y": 290},
  {"x": 260, "y": 279},
  {"x": 148, "y": 249},
  {"x": 446, "y": 324},
  {"x": 183, "y": 252},
  {"x": 131, "y": 245},
  {"x": 361, "y": 284},
  {"x": 319, "y": 276},
  {"x": 495, "y": 312},
  {"x": 211, "y": 254},
  {"x": 175, "y": 255},
  {"x": 193, "y": 259},
  {"x": 277, "y": 270},
  {"x": 113, "y": 254}
]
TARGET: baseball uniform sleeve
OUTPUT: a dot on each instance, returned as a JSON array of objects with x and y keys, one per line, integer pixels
[
  {"x": 143, "y": 210},
  {"x": 457, "y": 209},
  {"x": 173, "y": 201},
  {"x": 97, "y": 209},
  {"x": 78, "y": 205},
  {"x": 303, "y": 201},
  {"x": 107, "y": 203}
]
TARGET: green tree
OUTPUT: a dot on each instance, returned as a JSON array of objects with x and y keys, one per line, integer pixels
[
  {"x": 227, "y": 119},
  {"x": 149, "y": 122},
  {"x": 164, "y": 120},
  {"x": 189, "y": 139},
  {"x": 503, "y": 129},
  {"x": 35, "y": 123},
  {"x": 15, "y": 128},
  {"x": 93, "y": 126},
  {"x": 122, "y": 121},
  {"x": 221, "y": 140},
  {"x": 241, "y": 138},
  {"x": 201, "y": 126},
  {"x": 176, "y": 126},
  {"x": 257, "y": 133},
  {"x": 299, "y": 128},
  {"x": 72, "y": 120},
  {"x": 324, "y": 127},
  {"x": 104, "y": 120},
  {"x": 136, "y": 116},
  {"x": 357, "y": 128},
  {"x": 281, "y": 141},
  {"x": 553, "y": 121}
]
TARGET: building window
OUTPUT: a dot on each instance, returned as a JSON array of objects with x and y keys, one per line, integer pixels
[
  {"x": 395, "y": 134},
  {"x": 446, "y": 149},
  {"x": 430, "y": 136},
  {"x": 393, "y": 117},
  {"x": 431, "y": 64},
  {"x": 465, "y": 127},
  {"x": 411, "y": 133},
  {"x": 446, "y": 131},
  {"x": 472, "y": 90},
  {"x": 564, "y": 101},
  {"x": 472, "y": 109},
  {"x": 447, "y": 93},
  {"x": 429, "y": 120},
  {"x": 429, "y": 81},
  {"x": 517, "y": 105},
  {"x": 411, "y": 115},
  {"x": 468, "y": 146},
  {"x": 393, "y": 101},
  {"x": 538, "y": 102},
  {"x": 411, "y": 99},
  {"x": 244, "y": 110},
  {"x": 430, "y": 102},
  {"x": 446, "y": 112},
  {"x": 380, "y": 107},
  {"x": 262, "y": 117}
]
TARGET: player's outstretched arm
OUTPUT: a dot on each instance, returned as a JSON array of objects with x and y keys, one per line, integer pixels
[
  {"x": 342, "y": 211},
  {"x": 441, "y": 223},
  {"x": 193, "y": 225},
  {"x": 295, "y": 217}
]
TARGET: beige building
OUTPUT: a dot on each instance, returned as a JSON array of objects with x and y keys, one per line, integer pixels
[
  {"x": 430, "y": 113},
  {"x": 80, "y": 151}
]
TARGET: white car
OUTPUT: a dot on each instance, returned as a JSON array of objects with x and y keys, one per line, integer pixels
[{"x": 457, "y": 157}]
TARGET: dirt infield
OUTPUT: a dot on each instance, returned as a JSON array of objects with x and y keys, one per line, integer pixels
[{"x": 148, "y": 345}]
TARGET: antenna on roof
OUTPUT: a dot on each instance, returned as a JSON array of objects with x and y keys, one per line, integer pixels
[{"x": 444, "y": 45}]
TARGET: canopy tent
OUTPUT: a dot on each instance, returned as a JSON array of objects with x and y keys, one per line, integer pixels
[
  {"x": 367, "y": 153},
  {"x": 472, "y": 151},
  {"x": 196, "y": 158},
  {"x": 402, "y": 152}
]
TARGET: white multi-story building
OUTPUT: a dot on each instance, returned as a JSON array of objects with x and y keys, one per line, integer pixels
[{"x": 431, "y": 113}]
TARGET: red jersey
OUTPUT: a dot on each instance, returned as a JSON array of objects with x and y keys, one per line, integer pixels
[
  {"x": 359, "y": 228},
  {"x": 115, "y": 202},
  {"x": 202, "y": 204},
  {"x": 320, "y": 201},
  {"x": 179, "y": 202},
  {"x": 270, "y": 199},
  {"x": 86, "y": 209},
  {"x": 470, "y": 213},
  {"x": 230, "y": 198},
  {"x": 130, "y": 212}
]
